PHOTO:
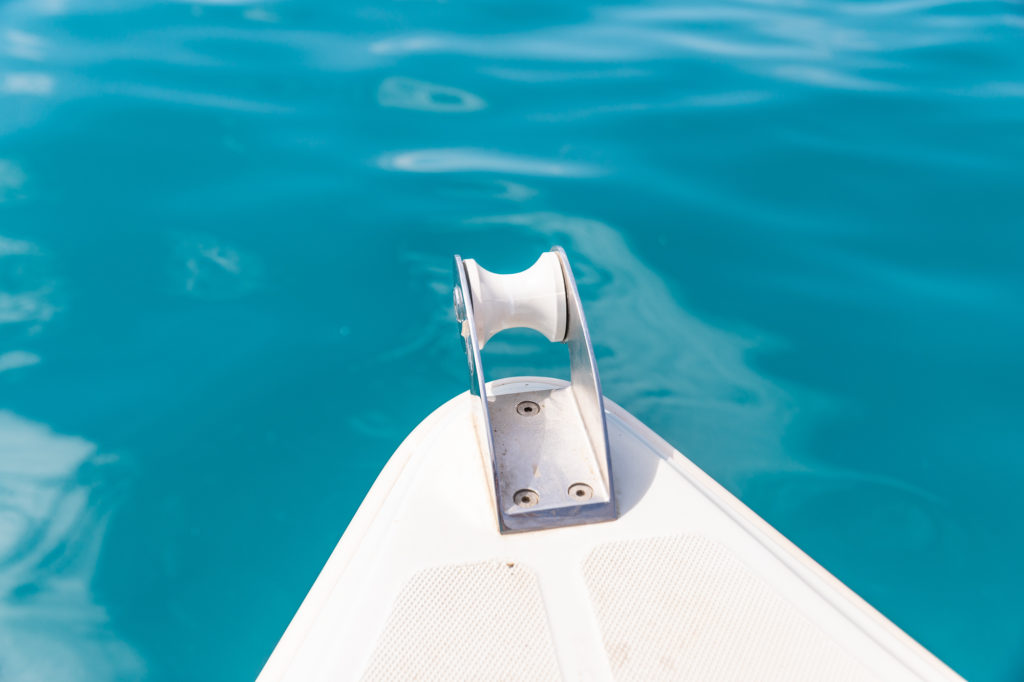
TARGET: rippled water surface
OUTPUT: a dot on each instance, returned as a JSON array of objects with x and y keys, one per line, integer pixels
[{"x": 224, "y": 288}]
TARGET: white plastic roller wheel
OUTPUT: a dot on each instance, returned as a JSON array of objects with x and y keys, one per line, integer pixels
[{"x": 533, "y": 298}]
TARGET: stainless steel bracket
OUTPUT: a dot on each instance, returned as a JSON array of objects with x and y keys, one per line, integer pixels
[{"x": 545, "y": 441}]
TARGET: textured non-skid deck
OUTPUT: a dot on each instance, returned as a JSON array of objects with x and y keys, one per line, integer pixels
[
  {"x": 482, "y": 621},
  {"x": 685, "y": 608},
  {"x": 671, "y": 608}
]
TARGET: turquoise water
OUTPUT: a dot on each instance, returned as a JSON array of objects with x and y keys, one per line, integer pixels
[{"x": 224, "y": 288}]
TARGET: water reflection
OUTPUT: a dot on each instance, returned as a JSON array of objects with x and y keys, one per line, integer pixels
[
  {"x": 205, "y": 267},
  {"x": 482, "y": 161},
  {"x": 16, "y": 247},
  {"x": 38, "y": 84},
  {"x": 26, "y": 306},
  {"x": 548, "y": 75},
  {"x": 261, "y": 15},
  {"x": 51, "y": 526},
  {"x": 23, "y": 45},
  {"x": 55, "y": 498},
  {"x": 28, "y": 297},
  {"x": 201, "y": 100},
  {"x": 12, "y": 179},
  {"x": 717, "y": 100},
  {"x": 831, "y": 78},
  {"x": 16, "y": 359},
  {"x": 514, "y": 191},
  {"x": 407, "y": 93}
]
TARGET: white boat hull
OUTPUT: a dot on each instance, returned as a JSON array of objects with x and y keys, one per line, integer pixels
[{"x": 687, "y": 584}]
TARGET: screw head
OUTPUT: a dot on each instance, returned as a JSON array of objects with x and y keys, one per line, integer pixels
[
  {"x": 580, "y": 492},
  {"x": 526, "y": 497},
  {"x": 528, "y": 408}
]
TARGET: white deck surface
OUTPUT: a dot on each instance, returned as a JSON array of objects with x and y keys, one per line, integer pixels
[{"x": 688, "y": 584}]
